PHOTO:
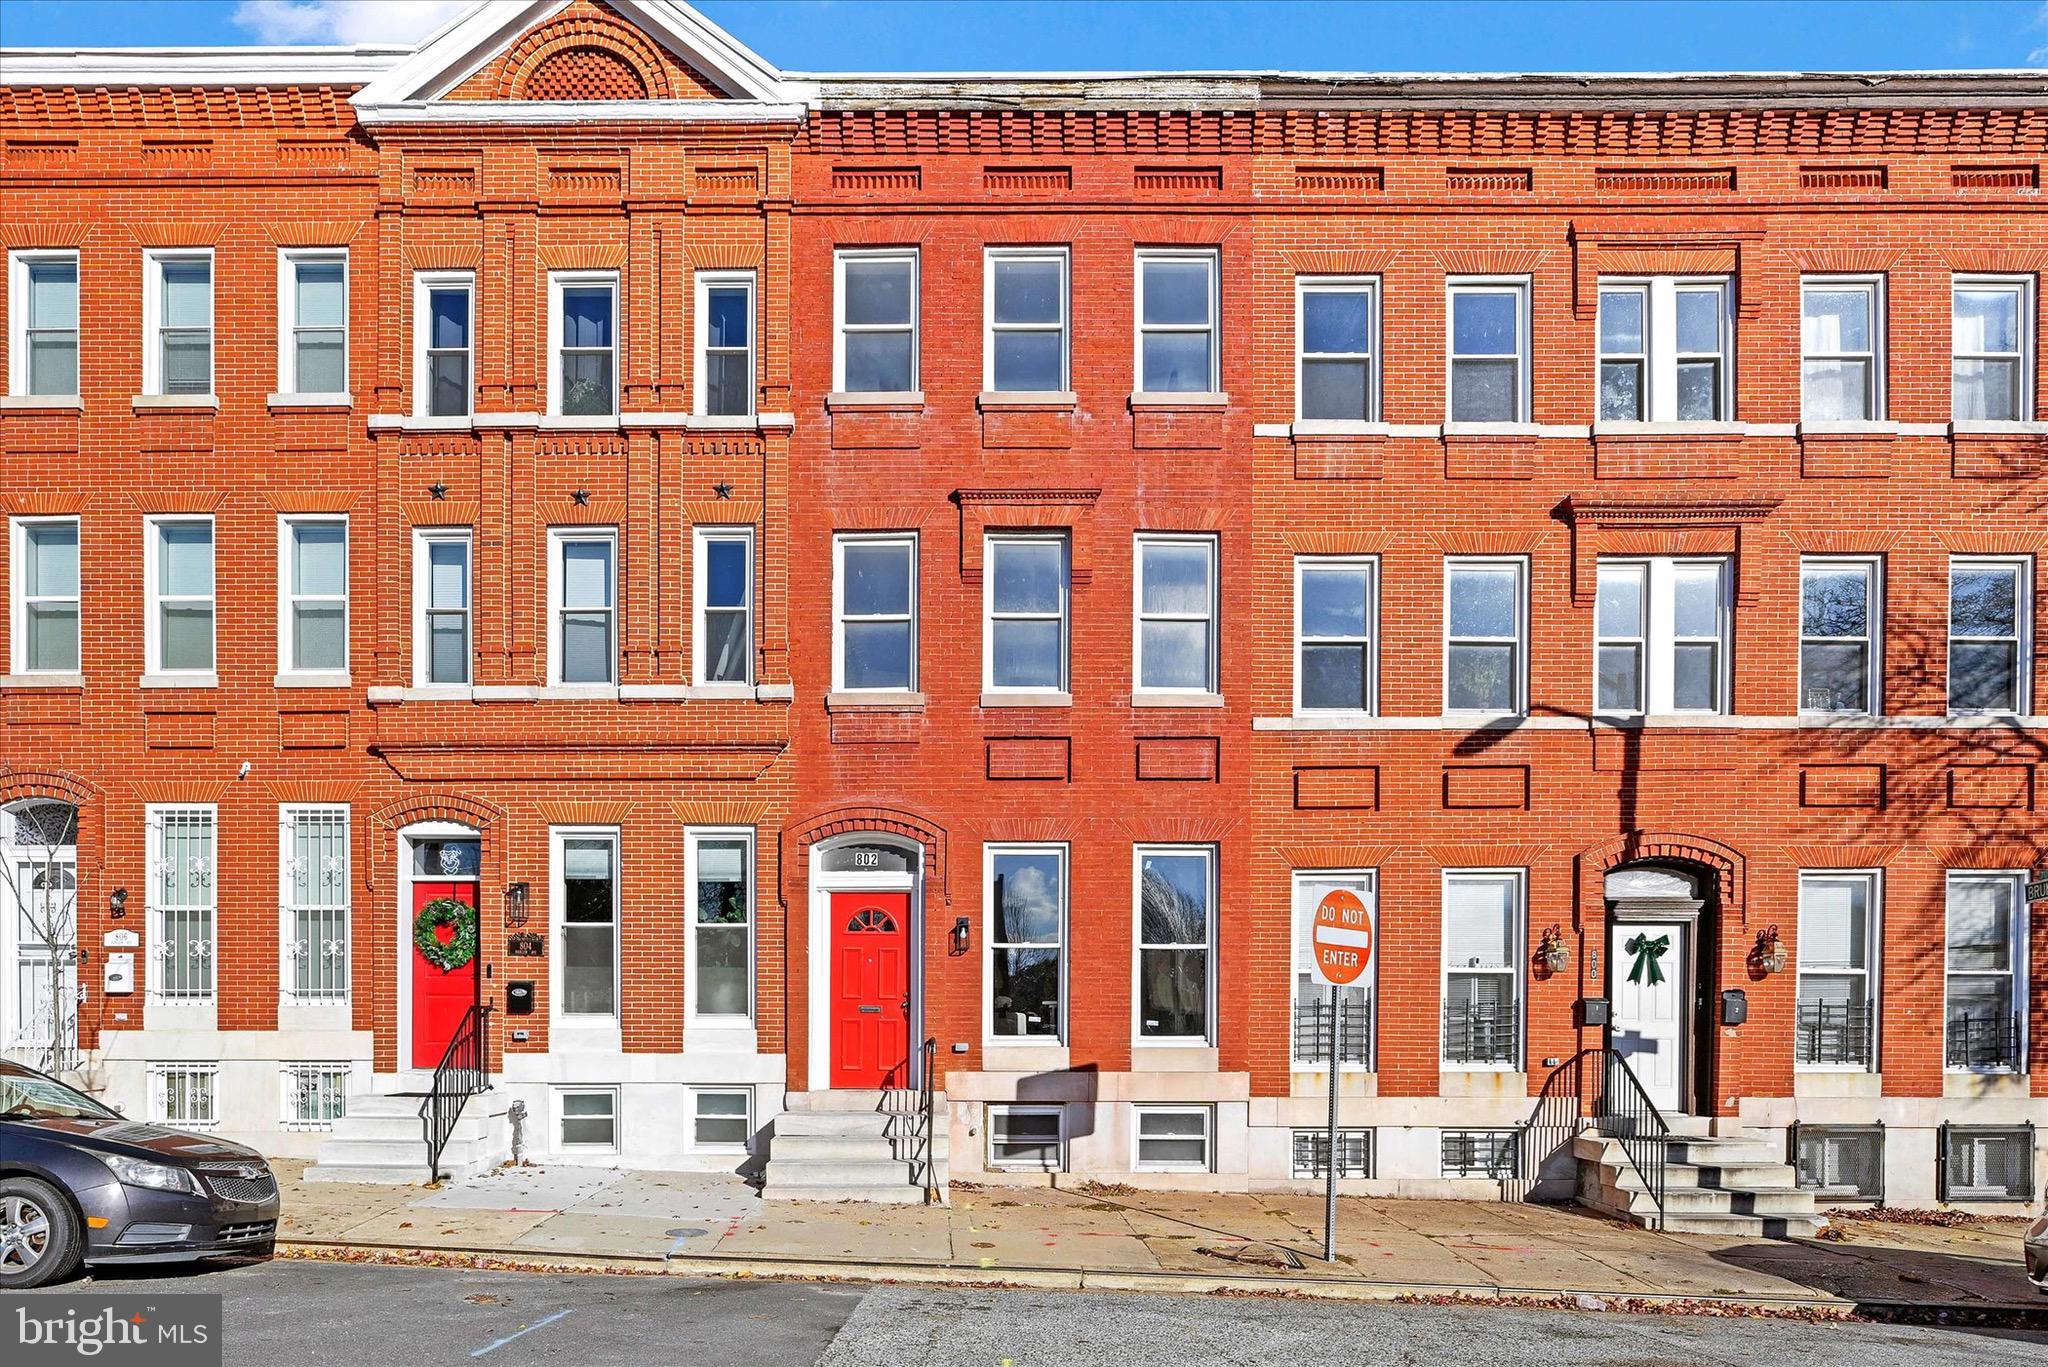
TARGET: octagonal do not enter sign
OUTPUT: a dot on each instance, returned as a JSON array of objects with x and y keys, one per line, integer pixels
[{"x": 1340, "y": 938}]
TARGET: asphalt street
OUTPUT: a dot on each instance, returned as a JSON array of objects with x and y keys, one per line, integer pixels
[{"x": 289, "y": 1314}]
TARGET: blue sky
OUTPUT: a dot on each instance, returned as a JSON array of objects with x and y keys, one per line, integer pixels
[{"x": 995, "y": 35}]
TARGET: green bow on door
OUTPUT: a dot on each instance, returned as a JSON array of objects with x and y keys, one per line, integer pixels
[{"x": 1647, "y": 952}]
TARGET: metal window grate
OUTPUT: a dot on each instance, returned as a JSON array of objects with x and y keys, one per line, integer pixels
[
  {"x": 1312, "y": 1153},
  {"x": 316, "y": 879},
  {"x": 182, "y": 889},
  {"x": 315, "y": 1095},
  {"x": 1834, "y": 1033},
  {"x": 1479, "y": 1153},
  {"x": 1986, "y": 1163},
  {"x": 184, "y": 1093},
  {"x": 1312, "y": 1029},
  {"x": 1989, "y": 1040},
  {"x": 1479, "y": 1034},
  {"x": 1840, "y": 1160}
]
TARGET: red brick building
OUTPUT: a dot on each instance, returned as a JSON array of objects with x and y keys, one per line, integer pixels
[{"x": 1006, "y": 548}]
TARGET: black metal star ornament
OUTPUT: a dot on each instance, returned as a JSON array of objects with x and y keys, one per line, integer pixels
[
  {"x": 438, "y": 490},
  {"x": 581, "y": 498},
  {"x": 722, "y": 489}
]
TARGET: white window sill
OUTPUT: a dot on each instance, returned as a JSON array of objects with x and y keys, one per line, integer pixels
[
  {"x": 324, "y": 679},
  {"x": 596, "y": 692},
  {"x": 1448, "y": 1067},
  {"x": 1026, "y": 399},
  {"x": 1516, "y": 429},
  {"x": 193, "y": 680},
  {"x": 1986, "y": 427},
  {"x": 42, "y": 680},
  {"x": 1694, "y": 428},
  {"x": 711, "y": 692},
  {"x": 421, "y": 693},
  {"x": 889, "y": 398},
  {"x": 1308, "y": 719},
  {"x": 192, "y": 401},
  {"x": 580, "y": 422},
  {"x": 1214, "y": 398},
  {"x": 505, "y": 693},
  {"x": 882, "y": 698},
  {"x": 31, "y": 402},
  {"x": 1189, "y": 699},
  {"x": 1331, "y": 427},
  {"x": 706, "y": 422},
  {"x": 1848, "y": 428},
  {"x": 312, "y": 401},
  {"x": 1011, "y": 698},
  {"x": 420, "y": 422}
]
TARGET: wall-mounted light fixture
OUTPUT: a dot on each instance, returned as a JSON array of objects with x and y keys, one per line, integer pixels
[
  {"x": 961, "y": 930},
  {"x": 1554, "y": 953},
  {"x": 117, "y": 903},
  {"x": 515, "y": 904},
  {"x": 1769, "y": 953}
]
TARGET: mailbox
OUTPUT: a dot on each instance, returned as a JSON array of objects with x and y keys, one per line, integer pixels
[
  {"x": 1592, "y": 1011},
  {"x": 519, "y": 999},
  {"x": 1734, "y": 1006},
  {"x": 117, "y": 975}
]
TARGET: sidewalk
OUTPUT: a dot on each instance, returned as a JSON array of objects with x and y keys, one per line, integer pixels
[{"x": 1115, "y": 1238}]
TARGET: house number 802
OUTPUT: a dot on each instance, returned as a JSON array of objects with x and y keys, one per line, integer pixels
[{"x": 867, "y": 859}]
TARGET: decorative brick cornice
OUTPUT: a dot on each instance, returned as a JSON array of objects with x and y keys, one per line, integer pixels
[
  {"x": 44, "y": 503},
  {"x": 583, "y": 256},
  {"x": 312, "y": 500},
  {"x": 1336, "y": 856},
  {"x": 312, "y": 790},
  {"x": 1023, "y": 509},
  {"x": 1832, "y": 856},
  {"x": 178, "y": 500},
  {"x": 1671, "y": 526},
  {"x": 300, "y": 108},
  {"x": 1669, "y": 512},
  {"x": 571, "y": 812},
  {"x": 704, "y": 812},
  {"x": 428, "y": 512},
  {"x": 1339, "y": 262},
  {"x": 178, "y": 232},
  {"x": 722, "y": 512},
  {"x": 1483, "y": 854},
  {"x": 314, "y": 232}
]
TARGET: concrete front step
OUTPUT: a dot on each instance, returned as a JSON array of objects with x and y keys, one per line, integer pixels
[
  {"x": 833, "y": 1124},
  {"x": 825, "y": 1148},
  {"x": 1600, "y": 1186},
  {"x": 1746, "y": 1175},
  {"x": 380, "y": 1138},
  {"x": 1726, "y": 1153},
  {"x": 881, "y": 1195}
]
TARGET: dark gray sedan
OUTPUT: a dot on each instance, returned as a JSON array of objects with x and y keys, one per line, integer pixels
[
  {"x": 2037, "y": 1254},
  {"x": 81, "y": 1184}
]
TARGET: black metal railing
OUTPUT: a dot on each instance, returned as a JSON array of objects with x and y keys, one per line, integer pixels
[
  {"x": 1312, "y": 1031},
  {"x": 462, "y": 1072},
  {"x": 1597, "y": 1086},
  {"x": 1990, "y": 1040},
  {"x": 925, "y": 1164},
  {"x": 1480, "y": 1034},
  {"x": 1833, "y": 1033}
]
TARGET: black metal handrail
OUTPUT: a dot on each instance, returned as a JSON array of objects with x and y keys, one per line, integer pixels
[
  {"x": 1479, "y": 1035},
  {"x": 1991, "y": 1040},
  {"x": 1833, "y": 1033},
  {"x": 928, "y": 1057},
  {"x": 1312, "y": 1031},
  {"x": 1598, "y": 1085},
  {"x": 462, "y": 1072}
]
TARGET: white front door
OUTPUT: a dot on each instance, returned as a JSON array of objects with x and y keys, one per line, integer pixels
[
  {"x": 1647, "y": 962},
  {"x": 41, "y": 1022}
]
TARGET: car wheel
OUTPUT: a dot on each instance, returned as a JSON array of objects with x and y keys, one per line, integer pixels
[{"x": 39, "y": 1235}]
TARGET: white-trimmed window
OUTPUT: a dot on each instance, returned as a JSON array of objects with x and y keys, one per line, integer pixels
[
  {"x": 1990, "y": 603},
  {"x": 178, "y": 582},
  {"x": 444, "y": 343},
  {"x": 1311, "y": 1025},
  {"x": 874, "y": 613},
  {"x": 1489, "y": 352},
  {"x": 1987, "y": 948},
  {"x": 721, "y": 1119},
  {"x": 181, "y": 901},
  {"x": 42, "y": 309},
  {"x": 583, "y": 598},
  {"x": 1175, "y": 892},
  {"x": 587, "y": 1119},
  {"x": 1311, "y": 1154},
  {"x": 1027, "y": 1138},
  {"x": 722, "y": 590},
  {"x": 442, "y": 585},
  {"x": 875, "y": 332},
  {"x": 1175, "y": 608},
  {"x": 1992, "y": 341},
  {"x": 312, "y": 1096},
  {"x": 1025, "y": 311},
  {"x": 1026, "y": 943},
  {"x": 725, "y": 343},
  {"x": 1024, "y": 618},
  {"x": 1486, "y": 616},
  {"x": 45, "y": 595},
  {"x": 1841, "y": 631},
  {"x": 1336, "y": 633},
  {"x": 177, "y": 322},
  {"x": 312, "y": 321},
  {"x": 1482, "y": 946},
  {"x": 1478, "y": 1153},
  {"x": 1841, "y": 339},
  {"x": 312, "y": 610},
  {"x": 1337, "y": 322},
  {"x": 1664, "y": 350},
  {"x": 721, "y": 953},
  {"x": 1173, "y": 1139},
  {"x": 315, "y": 894},
  {"x": 583, "y": 344},
  {"x": 587, "y": 897},
  {"x": 185, "y": 1095},
  {"x": 1662, "y": 641},
  {"x": 1836, "y": 1022},
  {"x": 1178, "y": 303}
]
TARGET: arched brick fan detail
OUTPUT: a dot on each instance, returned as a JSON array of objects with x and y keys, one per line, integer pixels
[
  {"x": 584, "y": 73},
  {"x": 585, "y": 53}
]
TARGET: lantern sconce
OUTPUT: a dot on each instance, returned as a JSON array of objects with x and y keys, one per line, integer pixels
[
  {"x": 1769, "y": 954},
  {"x": 961, "y": 930},
  {"x": 1552, "y": 951},
  {"x": 515, "y": 904},
  {"x": 117, "y": 903}
]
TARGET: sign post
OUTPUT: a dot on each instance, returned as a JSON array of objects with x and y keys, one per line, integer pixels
[{"x": 1340, "y": 944}]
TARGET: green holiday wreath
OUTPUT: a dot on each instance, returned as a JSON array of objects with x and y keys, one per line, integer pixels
[{"x": 459, "y": 948}]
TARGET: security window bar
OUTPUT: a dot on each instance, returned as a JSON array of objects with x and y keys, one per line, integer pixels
[
  {"x": 1834, "y": 1023},
  {"x": 1986, "y": 946},
  {"x": 1176, "y": 924},
  {"x": 722, "y": 979},
  {"x": 1176, "y": 643},
  {"x": 316, "y": 886},
  {"x": 182, "y": 900},
  {"x": 1311, "y": 1154},
  {"x": 1990, "y": 337},
  {"x": 316, "y": 341},
  {"x": 1478, "y": 1153},
  {"x": 316, "y": 595},
  {"x": 590, "y": 926},
  {"x": 442, "y": 588},
  {"x": 586, "y": 347},
  {"x": 1485, "y": 606},
  {"x": 1026, "y": 345},
  {"x": 1312, "y": 997},
  {"x": 46, "y": 595},
  {"x": 1838, "y": 634},
  {"x": 1986, "y": 1163},
  {"x": 586, "y": 608},
  {"x": 1663, "y": 350},
  {"x": 1489, "y": 352},
  {"x": 1843, "y": 1161},
  {"x": 725, "y": 354},
  {"x": 46, "y": 302},
  {"x": 875, "y": 592},
  {"x": 184, "y": 1094},
  {"x": 1025, "y": 1139},
  {"x": 1833, "y": 1034},
  {"x": 315, "y": 1095},
  {"x": 1026, "y": 585},
  {"x": 1336, "y": 604},
  {"x": 1027, "y": 902},
  {"x": 1987, "y": 627},
  {"x": 1174, "y": 1140},
  {"x": 1841, "y": 327},
  {"x": 181, "y": 585},
  {"x": 877, "y": 301},
  {"x": 721, "y": 1120},
  {"x": 1177, "y": 305},
  {"x": 181, "y": 315},
  {"x": 1338, "y": 321},
  {"x": 1482, "y": 918},
  {"x": 725, "y": 606},
  {"x": 447, "y": 307}
]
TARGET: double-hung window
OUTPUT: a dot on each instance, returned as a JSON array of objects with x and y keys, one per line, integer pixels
[
  {"x": 1489, "y": 351},
  {"x": 876, "y": 351},
  {"x": 1664, "y": 350},
  {"x": 313, "y": 601},
  {"x": 312, "y": 321},
  {"x": 1482, "y": 952},
  {"x": 1841, "y": 338},
  {"x": 1177, "y": 308},
  {"x": 583, "y": 373},
  {"x": 1025, "y": 350},
  {"x": 1840, "y": 629},
  {"x": 1663, "y": 636},
  {"x": 177, "y": 322},
  {"x": 725, "y": 343},
  {"x": 1989, "y": 603},
  {"x": 315, "y": 878},
  {"x": 43, "y": 304},
  {"x": 583, "y": 584},
  {"x": 441, "y": 590},
  {"x": 1025, "y": 587},
  {"x": 1176, "y": 895},
  {"x": 587, "y": 891},
  {"x": 1987, "y": 942},
  {"x": 874, "y": 590},
  {"x": 1311, "y": 1027},
  {"x": 721, "y": 964},
  {"x": 1835, "y": 1024},
  {"x": 1991, "y": 338},
  {"x": 45, "y": 597},
  {"x": 1176, "y": 614},
  {"x": 1174, "y": 1139},
  {"x": 181, "y": 902},
  {"x": 1336, "y": 619},
  {"x": 444, "y": 307},
  {"x": 1026, "y": 936},
  {"x": 178, "y": 581},
  {"x": 1337, "y": 320},
  {"x": 724, "y": 593},
  {"x": 1486, "y": 611}
]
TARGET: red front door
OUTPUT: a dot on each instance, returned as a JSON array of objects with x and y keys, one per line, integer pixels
[
  {"x": 870, "y": 989},
  {"x": 438, "y": 998}
]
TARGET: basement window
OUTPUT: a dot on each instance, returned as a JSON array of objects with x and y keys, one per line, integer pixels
[
  {"x": 1844, "y": 1161},
  {"x": 184, "y": 1094},
  {"x": 1026, "y": 1138},
  {"x": 315, "y": 1094},
  {"x": 1174, "y": 1139},
  {"x": 1312, "y": 1153},
  {"x": 588, "y": 1119},
  {"x": 1478, "y": 1153},
  {"x": 1986, "y": 1163},
  {"x": 721, "y": 1119}
]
